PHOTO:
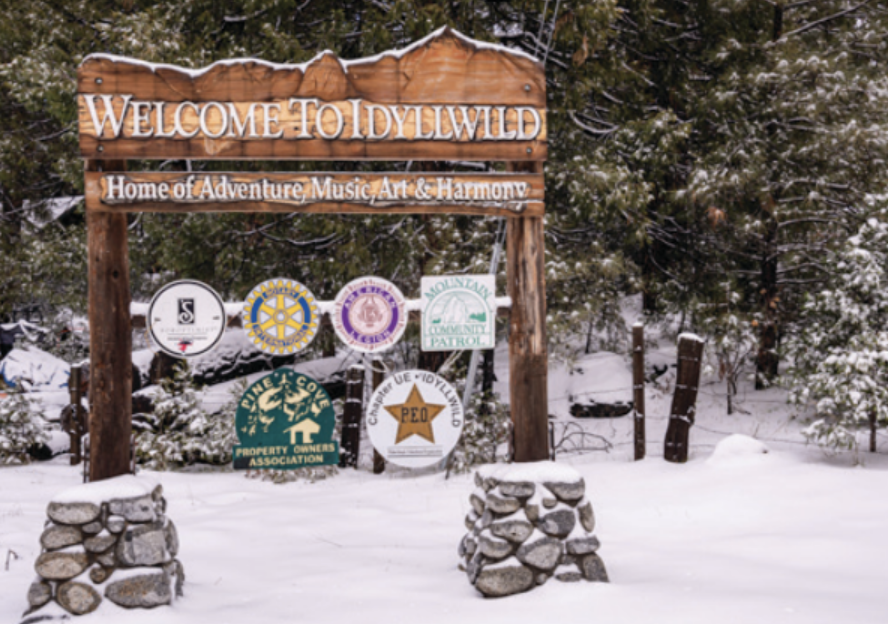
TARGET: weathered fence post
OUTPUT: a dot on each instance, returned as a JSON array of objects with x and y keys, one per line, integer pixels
[
  {"x": 638, "y": 388},
  {"x": 684, "y": 400},
  {"x": 351, "y": 417},
  {"x": 378, "y": 376},
  {"x": 75, "y": 431}
]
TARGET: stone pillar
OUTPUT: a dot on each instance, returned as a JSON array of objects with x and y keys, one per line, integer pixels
[
  {"x": 98, "y": 531},
  {"x": 529, "y": 522}
]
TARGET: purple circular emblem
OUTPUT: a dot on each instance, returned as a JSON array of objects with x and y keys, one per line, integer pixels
[{"x": 369, "y": 314}]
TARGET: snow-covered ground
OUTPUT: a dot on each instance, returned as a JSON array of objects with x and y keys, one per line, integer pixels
[
  {"x": 733, "y": 536},
  {"x": 746, "y": 537}
]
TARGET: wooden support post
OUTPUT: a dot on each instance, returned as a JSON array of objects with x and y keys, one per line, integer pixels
[
  {"x": 110, "y": 343},
  {"x": 75, "y": 431},
  {"x": 378, "y": 377},
  {"x": 351, "y": 417},
  {"x": 528, "y": 357},
  {"x": 638, "y": 388},
  {"x": 684, "y": 400}
]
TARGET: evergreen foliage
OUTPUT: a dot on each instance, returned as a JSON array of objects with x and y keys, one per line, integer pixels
[
  {"x": 21, "y": 427},
  {"x": 486, "y": 430},
  {"x": 179, "y": 432},
  {"x": 840, "y": 352},
  {"x": 691, "y": 144}
]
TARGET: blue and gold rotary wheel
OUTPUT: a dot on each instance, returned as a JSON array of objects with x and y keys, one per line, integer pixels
[{"x": 281, "y": 316}]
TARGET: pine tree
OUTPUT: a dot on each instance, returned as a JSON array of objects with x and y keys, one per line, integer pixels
[
  {"x": 21, "y": 427},
  {"x": 179, "y": 432},
  {"x": 840, "y": 353}
]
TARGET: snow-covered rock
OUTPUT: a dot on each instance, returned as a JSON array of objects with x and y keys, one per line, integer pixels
[{"x": 41, "y": 370}]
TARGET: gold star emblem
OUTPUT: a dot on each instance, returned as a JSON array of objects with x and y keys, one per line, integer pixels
[{"x": 415, "y": 416}]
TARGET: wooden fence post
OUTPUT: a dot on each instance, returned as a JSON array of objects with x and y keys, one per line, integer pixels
[
  {"x": 638, "y": 388},
  {"x": 378, "y": 377},
  {"x": 684, "y": 400},
  {"x": 75, "y": 431},
  {"x": 351, "y": 417},
  {"x": 110, "y": 339},
  {"x": 528, "y": 356}
]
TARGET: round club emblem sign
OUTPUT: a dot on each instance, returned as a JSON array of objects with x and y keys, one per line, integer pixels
[
  {"x": 281, "y": 316},
  {"x": 186, "y": 318},
  {"x": 369, "y": 314},
  {"x": 415, "y": 418}
]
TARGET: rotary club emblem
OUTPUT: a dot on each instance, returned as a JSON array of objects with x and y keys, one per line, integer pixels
[
  {"x": 370, "y": 314},
  {"x": 281, "y": 316}
]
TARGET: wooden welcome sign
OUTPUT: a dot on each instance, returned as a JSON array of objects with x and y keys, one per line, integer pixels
[{"x": 444, "y": 98}]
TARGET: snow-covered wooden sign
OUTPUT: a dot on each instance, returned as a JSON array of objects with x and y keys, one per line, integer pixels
[
  {"x": 285, "y": 421},
  {"x": 458, "y": 312},
  {"x": 445, "y": 97},
  {"x": 502, "y": 194}
]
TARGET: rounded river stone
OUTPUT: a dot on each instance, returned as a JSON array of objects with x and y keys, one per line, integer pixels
[
  {"x": 502, "y": 504},
  {"x": 78, "y": 598},
  {"x": 558, "y": 523},
  {"x": 592, "y": 568},
  {"x": 495, "y": 548},
  {"x": 517, "y": 489},
  {"x": 544, "y": 554},
  {"x": 60, "y": 566},
  {"x": 504, "y": 581},
  {"x": 39, "y": 594},
  {"x": 143, "y": 591},
  {"x": 56, "y": 537},
  {"x": 582, "y": 545},
  {"x": 587, "y": 516},
  {"x": 99, "y": 543},
  {"x": 512, "y": 530},
  {"x": 138, "y": 509},
  {"x": 73, "y": 513},
  {"x": 567, "y": 492}
]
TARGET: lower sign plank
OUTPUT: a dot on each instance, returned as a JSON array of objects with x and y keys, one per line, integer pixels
[{"x": 499, "y": 194}]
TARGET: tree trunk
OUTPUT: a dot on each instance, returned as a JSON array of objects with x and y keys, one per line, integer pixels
[{"x": 767, "y": 362}]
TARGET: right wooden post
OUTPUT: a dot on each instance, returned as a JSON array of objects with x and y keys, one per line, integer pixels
[
  {"x": 638, "y": 388},
  {"x": 684, "y": 401},
  {"x": 528, "y": 355}
]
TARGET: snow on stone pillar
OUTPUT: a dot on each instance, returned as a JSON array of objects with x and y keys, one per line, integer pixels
[
  {"x": 108, "y": 539},
  {"x": 529, "y": 522}
]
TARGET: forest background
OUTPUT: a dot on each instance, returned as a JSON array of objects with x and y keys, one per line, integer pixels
[{"x": 724, "y": 159}]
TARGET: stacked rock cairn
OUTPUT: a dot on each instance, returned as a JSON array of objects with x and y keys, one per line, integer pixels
[
  {"x": 528, "y": 523},
  {"x": 122, "y": 548}
]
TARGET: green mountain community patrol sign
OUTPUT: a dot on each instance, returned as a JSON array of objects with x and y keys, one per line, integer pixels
[
  {"x": 458, "y": 312},
  {"x": 285, "y": 421}
]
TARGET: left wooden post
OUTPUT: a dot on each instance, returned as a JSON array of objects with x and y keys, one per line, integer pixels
[{"x": 110, "y": 339}]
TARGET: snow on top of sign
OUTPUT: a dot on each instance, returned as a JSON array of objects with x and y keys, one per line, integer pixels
[
  {"x": 483, "y": 45},
  {"x": 233, "y": 308},
  {"x": 194, "y": 73},
  {"x": 537, "y": 472},
  {"x": 690, "y": 336},
  {"x": 97, "y": 492}
]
